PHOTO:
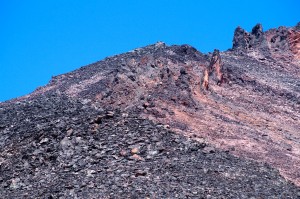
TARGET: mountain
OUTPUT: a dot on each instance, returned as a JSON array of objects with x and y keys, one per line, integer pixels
[{"x": 162, "y": 122}]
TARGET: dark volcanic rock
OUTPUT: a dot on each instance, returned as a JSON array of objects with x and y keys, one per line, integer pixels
[
  {"x": 275, "y": 43},
  {"x": 240, "y": 39},
  {"x": 133, "y": 125},
  {"x": 53, "y": 148},
  {"x": 244, "y": 41}
]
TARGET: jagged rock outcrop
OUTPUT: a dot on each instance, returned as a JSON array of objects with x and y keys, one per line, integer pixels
[
  {"x": 152, "y": 102},
  {"x": 214, "y": 70},
  {"x": 282, "y": 43},
  {"x": 244, "y": 41},
  {"x": 253, "y": 43},
  {"x": 257, "y": 36},
  {"x": 240, "y": 39}
]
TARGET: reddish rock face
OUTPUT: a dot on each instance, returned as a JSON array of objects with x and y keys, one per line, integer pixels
[
  {"x": 214, "y": 69},
  {"x": 294, "y": 42},
  {"x": 245, "y": 100}
]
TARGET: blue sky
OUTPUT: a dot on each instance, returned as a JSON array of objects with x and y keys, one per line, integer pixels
[{"x": 44, "y": 38}]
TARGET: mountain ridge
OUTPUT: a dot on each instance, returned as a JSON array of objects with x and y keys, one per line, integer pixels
[{"x": 244, "y": 101}]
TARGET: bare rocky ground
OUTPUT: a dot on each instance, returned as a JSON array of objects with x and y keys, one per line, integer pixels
[
  {"x": 54, "y": 147},
  {"x": 162, "y": 122}
]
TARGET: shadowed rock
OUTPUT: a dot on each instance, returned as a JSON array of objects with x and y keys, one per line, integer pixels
[
  {"x": 240, "y": 39},
  {"x": 244, "y": 41}
]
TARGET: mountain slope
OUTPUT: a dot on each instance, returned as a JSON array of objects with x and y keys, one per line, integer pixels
[
  {"x": 53, "y": 147},
  {"x": 244, "y": 101}
]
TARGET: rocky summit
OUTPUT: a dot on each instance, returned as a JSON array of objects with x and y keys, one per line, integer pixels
[{"x": 162, "y": 122}]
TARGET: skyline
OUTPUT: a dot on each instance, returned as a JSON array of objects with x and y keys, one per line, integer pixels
[{"x": 44, "y": 39}]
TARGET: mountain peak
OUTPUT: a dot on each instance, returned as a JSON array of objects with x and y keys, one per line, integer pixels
[
  {"x": 282, "y": 43},
  {"x": 257, "y": 31},
  {"x": 244, "y": 41},
  {"x": 155, "y": 114}
]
